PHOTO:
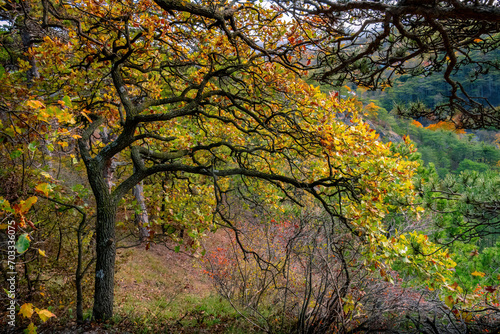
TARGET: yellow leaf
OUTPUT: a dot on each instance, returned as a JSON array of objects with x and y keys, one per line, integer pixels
[
  {"x": 26, "y": 205},
  {"x": 35, "y": 104},
  {"x": 478, "y": 273},
  {"x": 26, "y": 310},
  {"x": 63, "y": 144},
  {"x": 87, "y": 117},
  {"x": 5, "y": 205},
  {"x": 372, "y": 106},
  {"x": 45, "y": 314},
  {"x": 42, "y": 116},
  {"x": 41, "y": 252},
  {"x": 47, "y": 175},
  {"x": 43, "y": 188}
]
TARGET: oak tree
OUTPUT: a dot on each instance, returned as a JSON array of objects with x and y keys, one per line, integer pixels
[{"x": 214, "y": 91}]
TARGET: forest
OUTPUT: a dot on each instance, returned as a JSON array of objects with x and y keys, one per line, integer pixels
[{"x": 214, "y": 166}]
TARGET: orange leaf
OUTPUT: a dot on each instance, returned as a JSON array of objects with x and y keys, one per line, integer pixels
[
  {"x": 478, "y": 273},
  {"x": 24, "y": 206}
]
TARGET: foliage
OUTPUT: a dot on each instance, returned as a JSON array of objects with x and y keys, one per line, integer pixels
[
  {"x": 264, "y": 267},
  {"x": 462, "y": 151},
  {"x": 432, "y": 90},
  {"x": 472, "y": 195},
  {"x": 27, "y": 310}
]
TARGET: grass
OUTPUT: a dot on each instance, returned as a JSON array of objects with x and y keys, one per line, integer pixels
[
  {"x": 159, "y": 291},
  {"x": 186, "y": 313}
]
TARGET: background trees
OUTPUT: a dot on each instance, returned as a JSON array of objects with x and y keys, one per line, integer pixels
[{"x": 370, "y": 43}]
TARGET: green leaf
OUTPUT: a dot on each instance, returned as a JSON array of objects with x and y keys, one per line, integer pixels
[
  {"x": 5, "y": 205},
  {"x": 23, "y": 243},
  {"x": 2, "y": 72},
  {"x": 67, "y": 101},
  {"x": 16, "y": 154},
  {"x": 31, "y": 329},
  {"x": 32, "y": 146},
  {"x": 177, "y": 249},
  {"x": 53, "y": 110}
]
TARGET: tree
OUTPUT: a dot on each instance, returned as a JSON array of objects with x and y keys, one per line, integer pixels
[
  {"x": 474, "y": 195},
  {"x": 193, "y": 90},
  {"x": 371, "y": 42}
]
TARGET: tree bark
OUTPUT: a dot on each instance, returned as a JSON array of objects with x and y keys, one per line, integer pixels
[
  {"x": 80, "y": 271},
  {"x": 105, "y": 260},
  {"x": 79, "y": 298},
  {"x": 105, "y": 238}
]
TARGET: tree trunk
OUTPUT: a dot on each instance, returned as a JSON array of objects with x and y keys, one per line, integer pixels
[
  {"x": 80, "y": 271},
  {"x": 141, "y": 219},
  {"x": 105, "y": 260},
  {"x": 79, "y": 299}
]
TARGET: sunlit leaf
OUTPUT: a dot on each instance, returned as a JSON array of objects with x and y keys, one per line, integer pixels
[
  {"x": 43, "y": 188},
  {"x": 26, "y": 310},
  {"x": 45, "y": 314},
  {"x": 478, "y": 273},
  {"x": 25, "y": 205}
]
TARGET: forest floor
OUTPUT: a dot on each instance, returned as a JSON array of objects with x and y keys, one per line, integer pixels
[{"x": 161, "y": 291}]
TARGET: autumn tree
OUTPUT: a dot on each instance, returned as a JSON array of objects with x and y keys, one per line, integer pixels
[
  {"x": 34, "y": 146},
  {"x": 195, "y": 90}
]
